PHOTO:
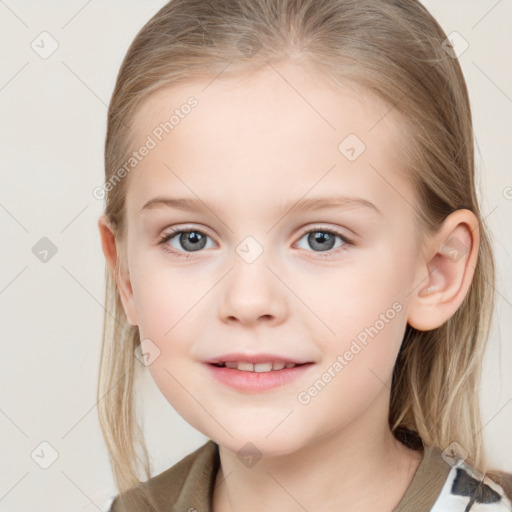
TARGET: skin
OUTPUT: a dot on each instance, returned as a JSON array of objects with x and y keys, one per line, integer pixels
[{"x": 245, "y": 153}]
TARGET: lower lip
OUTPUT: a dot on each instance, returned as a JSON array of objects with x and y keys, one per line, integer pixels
[{"x": 257, "y": 381}]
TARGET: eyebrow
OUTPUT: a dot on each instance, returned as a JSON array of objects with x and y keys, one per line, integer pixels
[{"x": 309, "y": 204}]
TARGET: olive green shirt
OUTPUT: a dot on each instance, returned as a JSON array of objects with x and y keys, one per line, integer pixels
[{"x": 436, "y": 487}]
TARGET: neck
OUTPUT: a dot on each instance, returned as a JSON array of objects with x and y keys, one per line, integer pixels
[{"x": 332, "y": 473}]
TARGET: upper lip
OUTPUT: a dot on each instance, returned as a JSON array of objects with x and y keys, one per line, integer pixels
[{"x": 255, "y": 358}]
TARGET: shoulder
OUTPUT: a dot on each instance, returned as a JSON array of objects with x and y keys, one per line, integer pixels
[
  {"x": 160, "y": 492},
  {"x": 466, "y": 489}
]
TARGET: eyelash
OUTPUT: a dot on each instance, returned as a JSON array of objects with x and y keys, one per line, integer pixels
[{"x": 176, "y": 231}]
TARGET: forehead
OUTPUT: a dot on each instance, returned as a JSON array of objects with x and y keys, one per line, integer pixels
[
  {"x": 278, "y": 130},
  {"x": 299, "y": 91}
]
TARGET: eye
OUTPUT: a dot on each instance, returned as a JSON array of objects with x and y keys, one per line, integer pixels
[
  {"x": 323, "y": 240},
  {"x": 191, "y": 240}
]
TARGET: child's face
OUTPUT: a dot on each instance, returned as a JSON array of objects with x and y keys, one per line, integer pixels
[{"x": 247, "y": 150}]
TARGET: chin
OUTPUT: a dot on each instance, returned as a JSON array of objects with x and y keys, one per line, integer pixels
[{"x": 257, "y": 445}]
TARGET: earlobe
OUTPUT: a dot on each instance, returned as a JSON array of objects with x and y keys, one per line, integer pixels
[
  {"x": 110, "y": 250},
  {"x": 447, "y": 274}
]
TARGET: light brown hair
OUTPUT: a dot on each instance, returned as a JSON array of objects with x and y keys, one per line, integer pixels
[{"x": 393, "y": 48}]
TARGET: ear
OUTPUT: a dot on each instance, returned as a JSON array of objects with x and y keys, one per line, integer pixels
[
  {"x": 446, "y": 272},
  {"x": 117, "y": 268}
]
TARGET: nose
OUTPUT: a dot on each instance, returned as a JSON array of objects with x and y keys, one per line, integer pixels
[{"x": 252, "y": 294}]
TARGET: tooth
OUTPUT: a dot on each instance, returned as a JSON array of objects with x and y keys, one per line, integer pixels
[
  {"x": 248, "y": 367},
  {"x": 258, "y": 367},
  {"x": 263, "y": 367}
]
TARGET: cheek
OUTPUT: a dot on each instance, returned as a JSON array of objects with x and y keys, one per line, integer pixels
[
  {"x": 170, "y": 319},
  {"x": 367, "y": 314},
  {"x": 360, "y": 296},
  {"x": 358, "y": 362},
  {"x": 164, "y": 297},
  {"x": 167, "y": 317}
]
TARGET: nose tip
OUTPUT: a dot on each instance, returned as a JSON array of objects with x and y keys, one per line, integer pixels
[{"x": 251, "y": 295}]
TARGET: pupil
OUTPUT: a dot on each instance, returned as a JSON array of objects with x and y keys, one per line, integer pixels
[
  {"x": 321, "y": 240},
  {"x": 192, "y": 240}
]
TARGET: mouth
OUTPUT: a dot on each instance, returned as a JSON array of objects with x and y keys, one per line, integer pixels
[
  {"x": 257, "y": 377},
  {"x": 258, "y": 367}
]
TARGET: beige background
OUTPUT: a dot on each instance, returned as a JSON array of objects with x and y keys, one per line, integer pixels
[{"x": 53, "y": 115}]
